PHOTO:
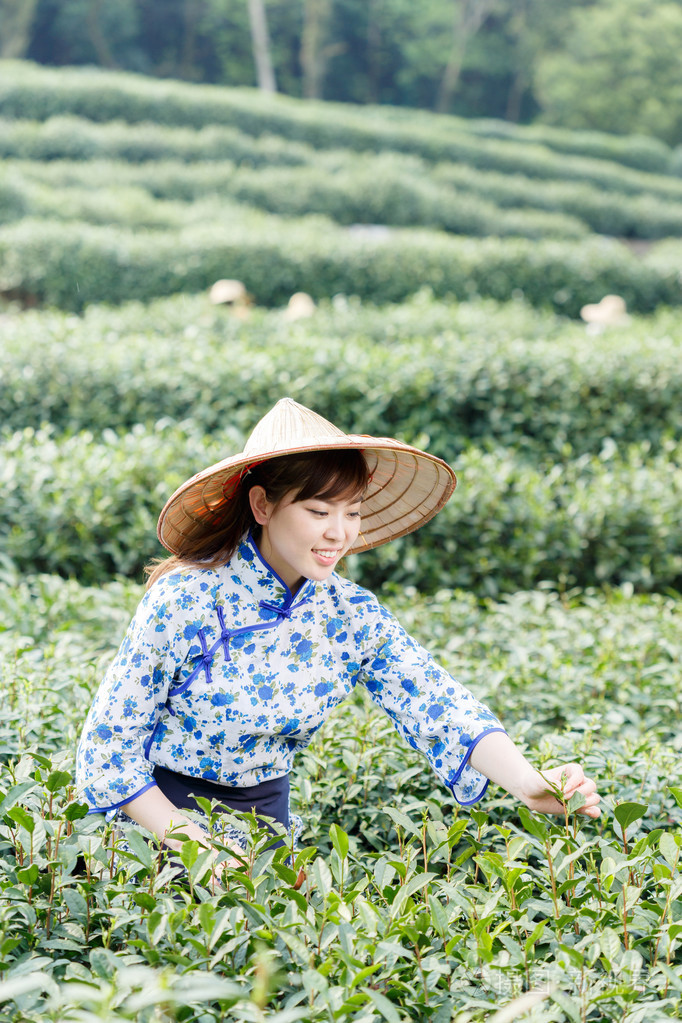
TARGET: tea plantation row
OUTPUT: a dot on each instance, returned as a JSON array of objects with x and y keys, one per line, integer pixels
[
  {"x": 87, "y": 508},
  {"x": 347, "y": 198},
  {"x": 38, "y": 93},
  {"x": 385, "y": 188},
  {"x": 457, "y": 373},
  {"x": 412, "y": 910},
  {"x": 71, "y": 264}
]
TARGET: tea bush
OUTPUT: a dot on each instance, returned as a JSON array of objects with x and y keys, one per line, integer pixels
[
  {"x": 614, "y": 212},
  {"x": 88, "y": 508},
  {"x": 412, "y": 908},
  {"x": 33, "y": 93},
  {"x": 459, "y": 373},
  {"x": 72, "y": 264},
  {"x": 67, "y": 137},
  {"x": 355, "y": 197}
]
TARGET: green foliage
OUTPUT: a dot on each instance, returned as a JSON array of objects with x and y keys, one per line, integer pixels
[
  {"x": 374, "y": 194},
  {"x": 28, "y": 93},
  {"x": 460, "y": 373},
  {"x": 71, "y": 264},
  {"x": 88, "y": 509},
  {"x": 411, "y": 909},
  {"x": 617, "y": 70}
]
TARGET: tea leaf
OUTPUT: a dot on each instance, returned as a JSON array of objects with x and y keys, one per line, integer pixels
[{"x": 627, "y": 813}]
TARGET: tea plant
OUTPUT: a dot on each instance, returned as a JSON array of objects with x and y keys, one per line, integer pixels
[{"x": 412, "y": 909}]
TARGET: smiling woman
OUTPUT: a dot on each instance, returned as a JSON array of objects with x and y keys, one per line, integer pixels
[{"x": 247, "y": 638}]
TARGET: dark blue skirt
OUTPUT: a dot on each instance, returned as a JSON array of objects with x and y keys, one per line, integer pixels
[{"x": 269, "y": 799}]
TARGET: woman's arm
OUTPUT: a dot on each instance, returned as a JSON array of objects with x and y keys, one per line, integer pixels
[
  {"x": 155, "y": 812},
  {"x": 496, "y": 756}
]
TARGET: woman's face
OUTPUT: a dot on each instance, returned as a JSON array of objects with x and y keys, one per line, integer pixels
[{"x": 305, "y": 539}]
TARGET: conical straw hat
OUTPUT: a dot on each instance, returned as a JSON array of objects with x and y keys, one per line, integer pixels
[{"x": 407, "y": 486}]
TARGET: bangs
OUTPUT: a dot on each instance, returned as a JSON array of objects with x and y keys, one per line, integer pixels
[{"x": 332, "y": 475}]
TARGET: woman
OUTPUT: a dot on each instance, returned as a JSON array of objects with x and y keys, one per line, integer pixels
[{"x": 247, "y": 638}]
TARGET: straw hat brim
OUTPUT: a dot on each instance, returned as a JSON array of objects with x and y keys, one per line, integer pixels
[{"x": 407, "y": 488}]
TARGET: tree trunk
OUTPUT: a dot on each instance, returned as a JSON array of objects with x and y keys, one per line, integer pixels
[
  {"x": 260, "y": 42},
  {"x": 190, "y": 16},
  {"x": 97, "y": 36},
  {"x": 373, "y": 52},
  {"x": 17, "y": 19},
  {"x": 469, "y": 16},
  {"x": 313, "y": 54}
]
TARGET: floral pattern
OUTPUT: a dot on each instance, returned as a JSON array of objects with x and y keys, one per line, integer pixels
[{"x": 224, "y": 674}]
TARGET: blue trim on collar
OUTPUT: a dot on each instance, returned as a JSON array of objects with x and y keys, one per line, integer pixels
[{"x": 289, "y": 596}]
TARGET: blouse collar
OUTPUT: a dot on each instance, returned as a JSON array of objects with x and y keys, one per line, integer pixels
[{"x": 263, "y": 581}]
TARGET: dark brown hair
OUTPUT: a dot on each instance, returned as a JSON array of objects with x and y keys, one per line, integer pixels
[{"x": 325, "y": 475}]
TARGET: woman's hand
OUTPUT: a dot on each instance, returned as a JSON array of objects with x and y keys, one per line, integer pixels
[
  {"x": 537, "y": 790},
  {"x": 496, "y": 756}
]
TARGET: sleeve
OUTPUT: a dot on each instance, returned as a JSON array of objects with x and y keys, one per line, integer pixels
[
  {"x": 433, "y": 712},
  {"x": 111, "y": 762}
]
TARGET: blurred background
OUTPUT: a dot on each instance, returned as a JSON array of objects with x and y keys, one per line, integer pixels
[{"x": 611, "y": 65}]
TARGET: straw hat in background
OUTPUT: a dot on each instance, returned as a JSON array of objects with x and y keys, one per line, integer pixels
[
  {"x": 610, "y": 312},
  {"x": 299, "y": 306},
  {"x": 407, "y": 486},
  {"x": 231, "y": 293}
]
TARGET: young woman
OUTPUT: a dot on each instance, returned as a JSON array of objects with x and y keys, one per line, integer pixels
[{"x": 247, "y": 638}]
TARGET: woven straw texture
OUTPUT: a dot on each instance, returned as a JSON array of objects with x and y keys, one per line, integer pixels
[{"x": 408, "y": 486}]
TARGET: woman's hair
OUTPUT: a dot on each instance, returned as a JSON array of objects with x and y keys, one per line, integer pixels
[{"x": 326, "y": 475}]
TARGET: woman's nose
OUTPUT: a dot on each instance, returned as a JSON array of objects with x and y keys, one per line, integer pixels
[{"x": 334, "y": 527}]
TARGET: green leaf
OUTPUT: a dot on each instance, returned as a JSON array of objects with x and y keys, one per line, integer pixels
[
  {"x": 189, "y": 852},
  {"x": 29, "y": 875},
  {"x": 533, "y": 825},
  {"x": 75, "y": 811},
  {"x": 534, "y": 936},
  {"x": 364, "y": 974},
  {"x": 627, "y": 813},
  {"x": 339, "y": 841},
  {"x": 402, "y": 821},
  {"x": 146, "y": 901},
  {"x": 22, "y": 818},
  {"x": 58, "y": 780},
  {"x": 676, "y": 793},
  {"x": 77, "y": 906},
  {"x": 670, "y": 849},
  {"x": 322, "y": 877},
  {"x": 140, "y": 847},
  {"x": 385, "y": 1007}
]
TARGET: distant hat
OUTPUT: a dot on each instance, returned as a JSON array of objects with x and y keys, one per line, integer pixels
[
  {"x": 407, "y": 486},
  {"x": 300, "y": 306},
  {"x": 226, "y": 291},
  {"x": 610, "y": 312}
]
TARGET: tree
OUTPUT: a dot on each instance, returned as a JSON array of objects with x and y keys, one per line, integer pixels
[
  {"x": 316, "y": 51},
  {"x": 16, "y": 22},
  {"x": 261, "y": 46},
  {"x": 468, "y": 16},
  {"x": 618, "y": 70}
]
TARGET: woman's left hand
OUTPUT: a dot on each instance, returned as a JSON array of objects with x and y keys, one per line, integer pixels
[{"x": 537, "y": 791}]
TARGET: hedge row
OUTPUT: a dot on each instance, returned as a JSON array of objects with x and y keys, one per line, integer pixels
[
  {"x": 639, "y": 151},
  {"x": 88, "y": 509},
  {"x": 642, "y": 152},
  {"x": 605, "y": 211},
  {"x": 457, "y": 374},
  {"x": 66, "y": 137},
  {"x": 37, "y": 94},
  {"x": 72, "y": 264},
  {"x": 349, "y": 198},
  {"x": 383, "y": 187}
]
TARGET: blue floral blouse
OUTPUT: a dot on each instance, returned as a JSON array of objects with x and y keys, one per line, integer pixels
[{"x": 224, "y": 674}]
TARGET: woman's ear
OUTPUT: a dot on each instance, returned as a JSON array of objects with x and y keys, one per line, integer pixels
[{"x": 260, "y": 506}]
